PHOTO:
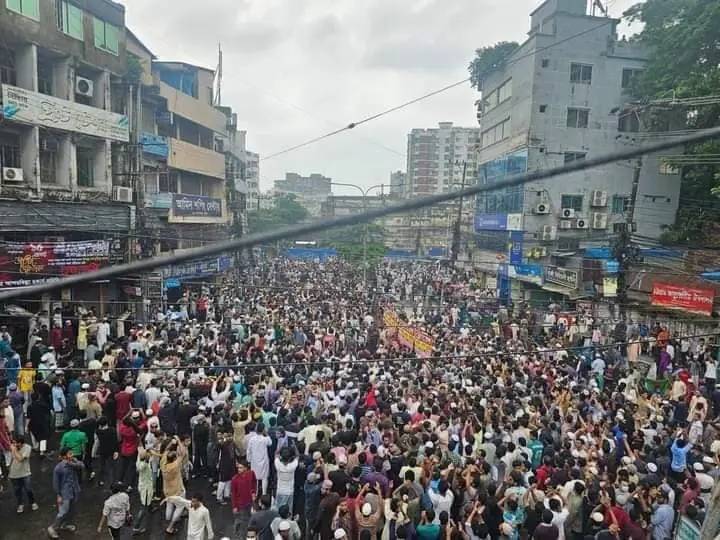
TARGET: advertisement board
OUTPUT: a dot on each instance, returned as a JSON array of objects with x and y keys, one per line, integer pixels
[
  {"x": 688, "y": 299},
  {"x": 29, "y": 263},
  {"x": 196, "y": 269},
  {"x": 498, "y": 222},
  {"x": 35, "y": 108},
  {"x": 530, "y": 273}
]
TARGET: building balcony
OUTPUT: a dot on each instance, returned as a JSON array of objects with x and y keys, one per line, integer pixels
[
  {"x": 196, "y": 159},
  {"x": 193, "y": 109}
]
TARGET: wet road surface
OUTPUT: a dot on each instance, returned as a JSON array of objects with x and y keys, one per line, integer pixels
[{"x": 33, "y": 525}]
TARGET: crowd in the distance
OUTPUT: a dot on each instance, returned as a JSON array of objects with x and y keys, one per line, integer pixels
[{"x": 290, "y": 405}]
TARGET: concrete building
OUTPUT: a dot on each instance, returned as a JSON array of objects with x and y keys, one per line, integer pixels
[
  {"x": 559, "y": 99},
  {"x": 435, "y": 159},
  {"x": 64, "y": 129},
  {"x": 311, "y": 191},
  {"x": 398, "y": 180}
]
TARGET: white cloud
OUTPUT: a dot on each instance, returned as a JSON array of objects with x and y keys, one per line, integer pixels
[{"x": 295, "y": 69}]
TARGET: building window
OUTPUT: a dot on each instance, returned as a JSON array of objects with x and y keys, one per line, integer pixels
[
  {"x": 10, "y": 154},
  {"x": 543, "y": 108},
  {"x": 572, "y": 201},
  {"x": 496, "y": 133},
  {"x": 580, "y": 73},
  {"x": 70, "y": 19},
  {"x": 497, "y": 96},
  {"x": 168, "y": 182},
  {"x": 85, "y": 167},
  {"x": 29, "y": 8},
  {"x": 620, "y": 204},
  {"x": 545, "y": 62},
  {"x": 106, "y": 36},
  {"x": 629, "y": 76},
  {"x": 569, "y": 157},
  {"x": 577, "y": 118}
]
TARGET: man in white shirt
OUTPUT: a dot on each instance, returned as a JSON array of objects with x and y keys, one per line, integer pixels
[{"x": 199, "y": 524}]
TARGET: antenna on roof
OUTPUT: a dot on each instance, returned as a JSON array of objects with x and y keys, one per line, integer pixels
[
  {"x": 597, "y": 4},
  {"x": 218, "y": 79}
]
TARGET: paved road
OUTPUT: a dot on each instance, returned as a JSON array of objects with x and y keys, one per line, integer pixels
[{"x": 32, "y": 525}]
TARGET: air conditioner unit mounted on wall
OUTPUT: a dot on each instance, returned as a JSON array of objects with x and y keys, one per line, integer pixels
[
  {"x": 566, "y": 224},
  {"x": 84, "y": 87},
  {"x": 542, "y": 208},
  {"x": 582, "y": 223},
  {"x": 600, "y": 221},
  {"x": 123, "y": 194},
  {"x": 567, "y": 213},
  {"x": 599, "y": 199},
  {"x": 548, "y": 232},
  {"x": 12, "y": 175}
]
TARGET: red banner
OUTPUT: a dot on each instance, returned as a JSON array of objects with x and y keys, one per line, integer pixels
[
  {"x": 408, "y": 336},
  {"x": 686, "y": 298}
]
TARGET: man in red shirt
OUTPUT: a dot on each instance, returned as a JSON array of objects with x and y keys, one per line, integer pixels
[
  {"x": 543, "y": 474},
  {"x": 131, "y": 431},
  {"x": 243, "y": 487},
  {"x": 122, "y": 403}
]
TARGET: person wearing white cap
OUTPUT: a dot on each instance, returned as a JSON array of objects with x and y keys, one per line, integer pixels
[{"x": 705, "y": 481}]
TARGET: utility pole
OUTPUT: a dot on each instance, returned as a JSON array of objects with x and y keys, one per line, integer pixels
[
  {"x": 625, "y": 252},
  {"x": 455, "y": 248}
]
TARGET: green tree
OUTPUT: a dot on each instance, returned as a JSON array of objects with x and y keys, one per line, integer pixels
[
  {"x": 683, "y": 37},
  {"x": 349, "y": 242},
  {"x": 286, "y": 211},
  {"x": 489, "y": 59}
]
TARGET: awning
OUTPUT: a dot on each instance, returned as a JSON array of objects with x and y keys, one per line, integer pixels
[
  {"x": 559, "y": 289},
  {"x": 60, "y": 217}
]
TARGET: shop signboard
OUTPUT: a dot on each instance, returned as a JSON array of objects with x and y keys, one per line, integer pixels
[
  {"x": 562, "y": 276},
  {"x": 29, "y": 263},
  {"x": 689, "y": 299},
  {"x": 39, "y": 109},
  {"x": 186, "y": 208}
]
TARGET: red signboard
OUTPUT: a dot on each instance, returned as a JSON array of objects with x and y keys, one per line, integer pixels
[{"x": 685, "y": 298}]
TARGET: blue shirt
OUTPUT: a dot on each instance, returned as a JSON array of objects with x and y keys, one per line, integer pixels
[
  {"x": 662, "y": 522},
  {"x": 65, "y": 479},
  {"x": 58, "y": 397},
  {"x": 679, "y": 456}
]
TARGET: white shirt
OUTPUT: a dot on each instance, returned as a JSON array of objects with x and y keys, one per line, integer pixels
[
  {"x": 285, "y": 476},
  {"x": 441, "y": 503},
  {"x": 199, "y": 524}
]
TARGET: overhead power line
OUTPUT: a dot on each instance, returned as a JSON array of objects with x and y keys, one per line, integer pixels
[
  {"x": 375, "y": 116},
  {"x": 296, "y": 231}
]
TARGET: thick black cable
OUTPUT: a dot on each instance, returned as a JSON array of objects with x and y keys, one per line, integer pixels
[{"x": 300, "y": 230}]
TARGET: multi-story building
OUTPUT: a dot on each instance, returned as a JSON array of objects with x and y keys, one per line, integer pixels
[
  {"x": 397, "y": 183},
  {"x": 310, "y": 191},
  {"x": 560, "y": 97},
  {"x": 63, "y": 128},
  {"x": 436, "y": 157}
]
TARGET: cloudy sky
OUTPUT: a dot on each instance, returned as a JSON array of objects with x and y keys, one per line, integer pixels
[{"x": 295, "y": 69}]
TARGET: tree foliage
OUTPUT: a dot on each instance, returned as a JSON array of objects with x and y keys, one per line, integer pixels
[
  {"x": 683, "y": 37},
  {"x": 349, "y": 242},
  {"x": 286, "y": 211},
  {"x": 488, "y": 60}
]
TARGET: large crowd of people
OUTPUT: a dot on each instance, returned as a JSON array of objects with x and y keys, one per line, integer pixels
[{"x": 283, "y": 403}]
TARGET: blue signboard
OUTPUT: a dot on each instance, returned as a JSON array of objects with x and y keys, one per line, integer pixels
[
  {"x": 184, "y": 205},
  {"x": 516, "y": 247},
  {"x": 155, "y": 145},
  {"x": 611, "y": 266},
  {"x": 310, "y": 254},
  {"x": 491, "y": 222},
  {"x": 197, "y": 269},
  {"x": 598, "y": 253},
  {"x": 503, "y": 283}
]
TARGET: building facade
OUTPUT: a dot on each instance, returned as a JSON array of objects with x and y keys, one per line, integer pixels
[
  {"x": 64, "y": 130},
  {"x": 398, "y": 180},
  {"x": 435, "y": 159},
  {"x": 311, "y": 191},
  {"x": 558, "y": 99}
]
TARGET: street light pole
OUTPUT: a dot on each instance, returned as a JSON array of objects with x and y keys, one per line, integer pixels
[{"x": 364, "y": 193}]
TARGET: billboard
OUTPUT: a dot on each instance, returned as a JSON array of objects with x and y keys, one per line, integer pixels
[
  {"x": 29, "y": 263},
  {"x": 498, "y": 222},
  {"x": 686, "y": 298},
  {"x": 38, "y": 109},
  {"x": 408, "y": 336}
]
